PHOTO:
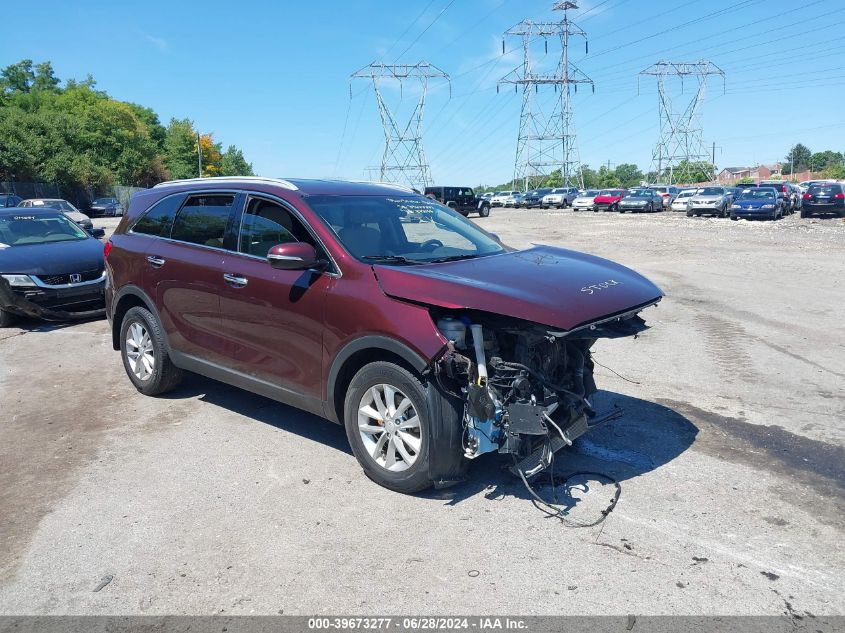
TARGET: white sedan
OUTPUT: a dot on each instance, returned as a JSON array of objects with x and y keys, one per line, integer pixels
[
  {"x": 681, "y": 200},
  {"x": 584, "y": 201}
]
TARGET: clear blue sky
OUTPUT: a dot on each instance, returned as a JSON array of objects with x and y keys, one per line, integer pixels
[{"x": 273, "y": 77}]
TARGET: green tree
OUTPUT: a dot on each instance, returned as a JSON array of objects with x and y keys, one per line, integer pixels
[
  {"x": 745, "y": 181},
  {"x": 180, "y": 149},
  {"x": 607, "y": 178},
  {"x": 820, "y": 161},
  {"x": 797, "y": 159},
  {"x": 17, "y": 77},
  {"x": 628, "y": 175},
  {"x": 590, "y": 176},
  {"x": 233, "y": 163}
]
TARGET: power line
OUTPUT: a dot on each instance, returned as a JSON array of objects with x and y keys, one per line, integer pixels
[{"x": 425, "y": 30}]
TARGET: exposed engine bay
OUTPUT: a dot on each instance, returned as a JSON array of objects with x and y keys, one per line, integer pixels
[{"x": 527, "y": 388}]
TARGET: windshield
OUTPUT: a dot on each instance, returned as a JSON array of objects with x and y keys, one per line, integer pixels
[
  {"x": 18, "y": 230},
  {"x": 105, "y": 201},
  {"x": 757, "y": 194},
  {"x": 641, "y": 193},
  {"x": 610, "y": 192},
  {"x": 686, "y": 194},
  {"x": 590, "y": 193},
  {"x": 61, "y": 205},
  {"x": 402, "y": 230},
  {"x": 711, "y": 191}
]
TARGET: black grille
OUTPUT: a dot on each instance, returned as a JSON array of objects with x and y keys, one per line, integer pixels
[{"x": 59, "y": 280}]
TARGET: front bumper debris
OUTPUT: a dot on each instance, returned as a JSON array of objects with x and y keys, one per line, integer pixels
[{"x": 85, "y": 301}]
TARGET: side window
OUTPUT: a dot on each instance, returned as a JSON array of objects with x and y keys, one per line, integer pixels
[
  {"x": 266, "y": 224},
  {"x": 203, "y": 219},
  {"x": 450, "y": 193},
  {"x": 158, "y": 220}
]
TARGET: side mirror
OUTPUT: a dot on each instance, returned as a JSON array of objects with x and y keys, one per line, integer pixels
[
  {"x": 98, "y": 233},
  {"x": 293, "y": 256}
]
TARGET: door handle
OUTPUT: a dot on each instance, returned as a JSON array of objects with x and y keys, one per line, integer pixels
[
  {"x": 155, "y": 262},
  {"x": 235, "y": 280}
]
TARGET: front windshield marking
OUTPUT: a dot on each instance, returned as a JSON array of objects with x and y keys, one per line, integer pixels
[
  {"x": 402, "y": 230},
  {"x": 21, "y": 230}
]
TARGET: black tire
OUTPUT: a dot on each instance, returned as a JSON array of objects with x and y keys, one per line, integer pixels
[
  {"x": 651, "y": 208},
  {"x": 165, "y": 376},
  {"x": 804, "y": 214},
  {"x": 595, "y": 209},
  {"x": 614, "y": 208},
  {"x": 484, "y": 211},
  {"x": 690, "y": 214},
  {"x": 6, "y": 318},
  {"x": 417, "y": 476},
  {"x": 733, "y": 216}
]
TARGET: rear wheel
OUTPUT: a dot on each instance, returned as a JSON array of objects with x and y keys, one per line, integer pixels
[
  {"x": 484, "y": 211},
  {"x": 733, "y": 216},
  {"x": 144, "y": 353},
  {"x": 388, "y": 423},
  {"x": 804, "y": 214}
]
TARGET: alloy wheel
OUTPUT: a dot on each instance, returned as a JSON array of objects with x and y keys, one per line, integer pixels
[
  {"x": 389, "y": 426},
  {"x": 139, "y": 351}
]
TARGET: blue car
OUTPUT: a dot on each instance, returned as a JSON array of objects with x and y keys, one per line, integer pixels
[{"x": 759, "y": 202}]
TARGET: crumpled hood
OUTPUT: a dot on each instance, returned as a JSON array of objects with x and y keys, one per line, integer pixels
[
  {"x": 552, "y": 286},
  {"x": 53, "y": 258}
]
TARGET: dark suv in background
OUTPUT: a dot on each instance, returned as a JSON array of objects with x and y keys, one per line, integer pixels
[
  {"x": 461, "y": 199},
  {"x": 374, "y": 307},
  {"x": 534, "y": 198}
]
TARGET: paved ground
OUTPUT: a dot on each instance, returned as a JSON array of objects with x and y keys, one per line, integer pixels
[{"x": 212, "y": 500}]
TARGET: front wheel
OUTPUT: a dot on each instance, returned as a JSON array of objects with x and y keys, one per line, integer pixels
[
  {"x": 388, "y": 423},
  {"x": 733, "y": 216},
  {"x": 6, "y": 318}
]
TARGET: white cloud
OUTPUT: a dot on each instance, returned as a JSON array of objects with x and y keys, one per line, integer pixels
[{"x": 159, "y": 42}]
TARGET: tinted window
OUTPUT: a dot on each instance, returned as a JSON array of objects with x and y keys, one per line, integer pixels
[
  {"x": 203, "y": 219},
  {"x": 159, "y": 219},
  {"x": 711, "y": 191},
  {"x": 266, "y": 224},
  {"x": 825, "y": 190}
]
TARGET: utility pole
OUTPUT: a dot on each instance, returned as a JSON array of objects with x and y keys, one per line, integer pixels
[
  {"x": 199, "y": 155},
  {"x": 680, "y": 141},
  {"x": 547, "y": 143},
  {"x": 403, "y": 159}
]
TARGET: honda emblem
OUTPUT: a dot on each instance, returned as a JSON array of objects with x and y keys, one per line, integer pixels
[{"x": 75, "y": 278}]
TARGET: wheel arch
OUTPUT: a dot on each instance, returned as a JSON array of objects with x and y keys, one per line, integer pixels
[
  {"x": 362, "y": 351},
  {"x": 128, "y": 297}
]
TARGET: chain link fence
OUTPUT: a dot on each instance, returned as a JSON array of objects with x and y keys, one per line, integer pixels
[{"x": 80, "y": 197}]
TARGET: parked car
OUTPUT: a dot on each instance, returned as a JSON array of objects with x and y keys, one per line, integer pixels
[
  {"x": 560, "y": 197},
  {"x": 641, "y": 200},
  {"x": 106, "y": 207},
  {"x": 758, "y": 202},
  {"x": 534, "y": 198},
  {"x": 667, "y": 193},
  {"x": 60, "y": 205},
  {"x": 681, "y": 200},
  {"x": 9, "y": 200},
  {"x": 585, "y": 200},
  {"x": 498, "y": 199},
  {"x": 608, "y": 199},
  {"x": 824, "y": 199},
  {"x": 784, "y": 193},
  {"x": 50, "y": 268},
  {"x": 711, "y": 201},
  {"x": 515, "y": 201},
  {"x": 461, "y": 199},
  {"x": 376, "y": 308}
]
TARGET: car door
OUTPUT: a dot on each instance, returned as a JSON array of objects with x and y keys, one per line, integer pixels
[
  {"x": 273, "y": 319},
  {"x": 185, "y": 273}
]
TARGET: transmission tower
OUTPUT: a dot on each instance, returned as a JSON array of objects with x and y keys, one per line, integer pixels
[
  {"x": 403, "y": 159},
  {"x": 547, "y": 141},
  {"x": 680, "y": 154}
]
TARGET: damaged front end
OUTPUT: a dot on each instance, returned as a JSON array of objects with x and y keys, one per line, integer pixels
[{"x": 527, "y": 388}]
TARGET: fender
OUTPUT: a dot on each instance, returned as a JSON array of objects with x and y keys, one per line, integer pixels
[
  {"x": 367, "y": 342},
  {"x": 134, "y": 291}
]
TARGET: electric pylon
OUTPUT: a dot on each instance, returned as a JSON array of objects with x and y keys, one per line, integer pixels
[
  {"x": 403, "y": 159},
  {"x": 680, "y": 155},
  {"x": 547, "y": 142}
]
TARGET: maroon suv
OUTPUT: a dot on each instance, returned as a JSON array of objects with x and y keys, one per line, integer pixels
[{"x": 374, "y": 307}]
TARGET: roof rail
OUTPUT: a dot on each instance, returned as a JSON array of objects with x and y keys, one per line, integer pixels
[
  {"x": 380, "y": 183},
  {"x": 212, "y": 179}
]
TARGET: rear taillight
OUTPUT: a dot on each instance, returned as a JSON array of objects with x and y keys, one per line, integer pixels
[
  {"x": 806, "y": 196},
  {"x": 107, "y": 249},
  {"x": 783, "y": 188},
  {"x": 839, "y": 196}
]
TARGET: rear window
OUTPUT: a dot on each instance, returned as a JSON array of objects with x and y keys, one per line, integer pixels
[
  {"x": 203, "y": 219},
  {"x": 159, "y": 219},
  {"x": 825, "y": 190}
]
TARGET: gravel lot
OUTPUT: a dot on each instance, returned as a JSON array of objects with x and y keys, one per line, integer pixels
[{"x": 730, "y": 455}]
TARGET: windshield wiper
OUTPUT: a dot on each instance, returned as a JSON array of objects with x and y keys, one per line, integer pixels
[
  {"x": 453, "y": 258},
  {"x": 390, "y": 259}
]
